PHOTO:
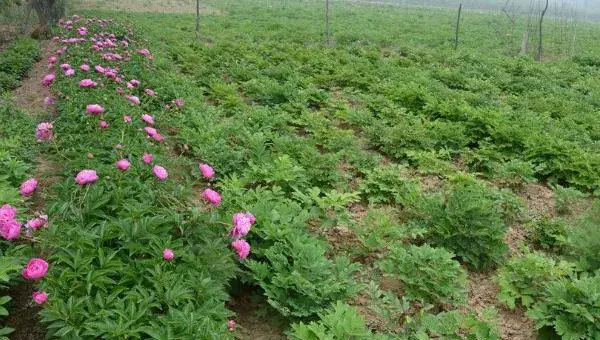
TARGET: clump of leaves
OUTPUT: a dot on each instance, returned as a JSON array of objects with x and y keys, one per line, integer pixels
[
  {"x": 386, "y": 184},
  {"x": 456, "y": 325},
  {"x": 567, "y": 198},
  {"x": 428, "y": 274},
  {"x": 548, "y": 233},
  {"x": 467, "y": 221},
  {"x": 299, "y": 280},
  {"x": 338, "y": 323},
  {"x": 522, "y": 279},
  {"x": 583, "y": 239},
  {"x": 386, "y": 305},
  {"x": 572, "y": 308}
]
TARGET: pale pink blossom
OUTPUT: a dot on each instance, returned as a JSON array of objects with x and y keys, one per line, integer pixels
[
  {"x": 99, "y": 69},
  {"x": 242, "y": 222},
  {"x": 35, "y": 269},
  {"x": 158, "y": 137},
  {"x": 212, "y": 196},
  {"x": 43, "y": 131},
  {"x": 28, "y": 187},
  {"x": 94, "y": 109},
  {"x": 38, "y": 222},
  {"x": 231, "y": 325},
  {"x": 127, "y": 119},
  {"x": 122, "y": 164},
  {"x": 70, "y": 72},
  {"x": 52, "y": 59},
  {"x": 40, "y": 297},
  {"x": 179, "y": 102},
  {"x": 147, "y": 158},
  {"x": 134, "y": 82},
  {"x": 168, "y": 254},
  {"x": 48, "y": 101},
  {"x": 149, "y": 92},
  {"x": 207, "y": 170},
  {"x": 147, "y": 118},
  {"x": 65, "y": 67},
  {"x": 86, "y": 177},
  {"x": 87, "y": 83},
  {"x": 48, "y": 79},
  {"x": 103, "y": 124},
  {"x": 133, "y": 99},
  {"x": 85, "y": 67},
  {"x": 160, "y": 172},
  {"x": 242, "y": 248},
  {"x": 150, "y": 130}
]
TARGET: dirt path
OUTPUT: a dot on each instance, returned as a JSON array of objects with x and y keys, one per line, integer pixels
[{"x": 29, "y": 97}]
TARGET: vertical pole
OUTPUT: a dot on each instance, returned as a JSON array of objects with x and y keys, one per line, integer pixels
[
  {"x": 457, "y": 26},
  {"x": 327, "y": 26},
  {"x": 197, "y": 19},
  {"x": 538, "y": 57}
]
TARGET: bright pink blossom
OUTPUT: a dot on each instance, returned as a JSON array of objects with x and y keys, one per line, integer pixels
[
  {"x": 52, "y": 59},
  {"x": 85, "y": 67},
  {"x": 10, "y": 229},
  {"x": 99, "y": 69},
  {"x": 70, "y": 72},
  {"x": 48, "y": 79},
  {"x": 242, "y": 248},
  {"x": 43, "y": 131},
  {"x": 86, "y": 176},
  {"x": 160, "y": 172},
  {"x": 122, "y": 164},
  {"x": 148, "y": 119},
  {"x": 168, "y": 254},
  {"x": 87, "y": 83},
  {"x": 40, "y": 297},
  {"x": 7, "y": 212},
  {"x": 28, "y": 187},
  {"x": 134, "y": 82},
  {"x": 242, "y": 222},
  {"x": 147, "y": 158},
  {"x": 94, "y": 109},
  {"x": 38, "y": 222},
  {"x": 65, "y": 67},
  {"x": 212, "y": 196},
  {"x": 35, "y": 269},
  {"x": 150, "y": 130},
  {"x": 158, "y": 137},
  {"x": 133, "y": 99},
  {"x": 103, "y": 124},
  {"x": 207, "y": 170}
]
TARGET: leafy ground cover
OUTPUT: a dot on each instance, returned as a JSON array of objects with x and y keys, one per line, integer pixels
[{"x": 375, "y": 182}]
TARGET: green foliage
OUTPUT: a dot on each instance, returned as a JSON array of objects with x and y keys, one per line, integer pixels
[
  {"x": 298, "y": 279},
  {"x": 427, "y": 274},
  {"x": 567, "y": 199},
  {"x": 455, "y": 325},
  {"x": 548, "y": 233},
  {"x": 468, "y": 222},
  {"x": 583, "y": 239},
  {"x": 515, "y": 173},
  {"x": 522, "y": 279},
  {"x": 337, "y": 323},
  {"x": 330, "y": 206},
  {"x": 16, "y": 60},
  {"x": 387, "y": 185},
  {"x": 572, "y": 308},
  {"x": 387, "y": 306}
]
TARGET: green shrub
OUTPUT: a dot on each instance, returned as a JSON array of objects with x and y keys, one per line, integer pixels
[
  {"x": 387, "y": 185},
  {"x": 572, "y": 308},
  {"x": 522, "y": 279},
  {"x": 427, "y": 274},
  {"x": 583, "y": 239},
  {"x": 341, "y": 322},
  {"x": 567, "y": 199},
  {"x": 298, "y": 280},
  {"x": 456, "y": 325},
  {"x": 515, "y": 173},
  {"x": 548, "y": 233},
  {"x": 16, "y": 60},
  {"x": 382, "y": 227},
  {"x": 468, "y": 222}
]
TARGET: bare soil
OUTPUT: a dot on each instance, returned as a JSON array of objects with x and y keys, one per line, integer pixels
[
  {"x": 254, "y": 320},
  {"x": 23, "y": 315}
]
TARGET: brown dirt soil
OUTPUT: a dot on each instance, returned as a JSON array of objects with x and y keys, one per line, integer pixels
[
  {"x": 252, "y": 324},
  {"x": 513, "y": 325},
  {"x": 515, "y": 236},
  {"x": 30, "y": 94},
  {"x": 539, "y": 199},
  {"x": 23, "y": 315}
]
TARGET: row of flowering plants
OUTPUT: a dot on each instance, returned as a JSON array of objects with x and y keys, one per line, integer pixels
[{"x": 124, "y": 249}]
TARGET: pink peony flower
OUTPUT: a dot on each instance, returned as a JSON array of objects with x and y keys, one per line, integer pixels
[
  {"x": 48, "y": 79},
  {"x": 99, "y": 69},
  {"x": 143, "y": 52},
  {"x": 127, "y": 119},
  {"x": 40, "y": 297},
  {"x": 168, "y": 254},
  {"x": 94, "y": 109},
  {"x": 149, "y": 92},
  {"x": 212, "y": 196},
  {"x": 65, "y": 67},
  {"x": 7, "y": 213},
  {"x": 43, "y": 132},
  {"x": 148, "y": 119},
  {"x": 10, "y": 229},
  {"x": 103, "y": 124},
  {"x": 134, "y": 100},
  {"x": 242, "y": 248},
  {"x": 160, "y": 172},
  {"x": 85, "y": 67},
  {"x": 28, "y": 187},
  {"x": 52, "y": 59},
  {"x": 207, "y": 170},
  {"x": 87, "y": 83},
  {"x": 147, "y": 158},
  {"x": 158, "y": 137},
  {"x": 231, "y": 325},
  {"x": 150, "y": 130},
  {"x": 122, "y": 164},
  {"x": 179, "y": 102},
  {"x": 119, "y": 90},
  {"x": 134, "y": 82},
  {"x": 70, "y": 72},
  {"x": 48, "y": 101},
  {"x": 35, "y": 269},
  {"x": 38, "y": 222},
  {"x": 86, "y": 176}
]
